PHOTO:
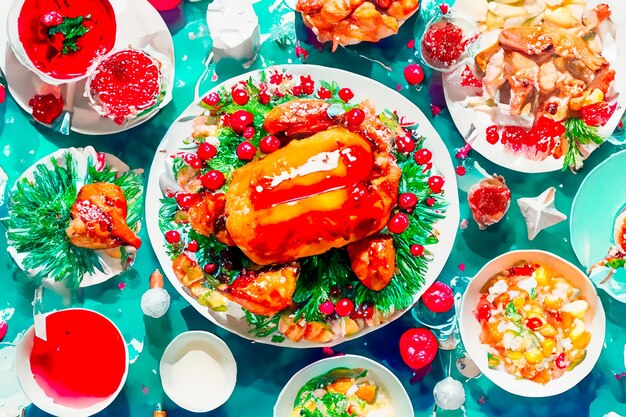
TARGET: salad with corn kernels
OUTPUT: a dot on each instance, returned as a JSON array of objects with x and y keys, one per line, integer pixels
[{"x": 532, "y": 321}]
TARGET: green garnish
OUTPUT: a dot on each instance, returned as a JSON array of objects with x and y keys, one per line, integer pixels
[
  {"x": 578, "y": 133},
  {"x": 511, "y": 312},
  {"x": 72, "y": 28},
  {"x": 616, "y": 263}
]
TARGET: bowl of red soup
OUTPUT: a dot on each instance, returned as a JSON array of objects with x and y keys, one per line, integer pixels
[
  {"x": 80, "y": 367},
  {"x": 60, "y": 39}
]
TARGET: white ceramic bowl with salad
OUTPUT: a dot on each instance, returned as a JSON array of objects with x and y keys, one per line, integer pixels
[
  {"x": 370, "y": 389},
  {"x": 541, "y": 321}
]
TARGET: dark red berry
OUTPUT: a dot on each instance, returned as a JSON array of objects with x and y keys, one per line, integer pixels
[
  {"x": 435, "y": 183},
  {"x": 460, "y": 171},
  {"x": 211, "y": 99},
  {"x": 324, "y": 93},
  {"x": 364, "y": 311},
  {"x": 213, "y": 180},
  {"x": 192, "y": 246},
  {"x": 430, "y": 201},
  {"x": 206, "y": 151},
  {"x": 407, "y": 201},
  {"x": 346, "y": 94},
  {"x": 355, "y": 117},
  {"x": 398, "y": 223},
  {"x": 210, "y": 269},
  {"x": 264, "y": 97},
  {"x": 423, "y": 156},
  {"x": 418, "y": 347},
  {"x": 405, "y": 144},
  {"x": 327, "y": 308},
  {"x": 46, "y": 108},
  {"x": 240, "y": 119},
  {"x": 307, "y": 84},
  {"x": 414, "y": 74},
  {"x": 269, "y": 144},
  {"x": 172, "y": 236},
  {"x": 246, "y": 151},
  {"x": 438, "y": 298},
  {"x": 344, "y": 307},
  {"x": 296, "y": 90},
  {"x": 492, "y": 134},
  {"x": 248, "y": 132},
  {"x": 240, "y": 96},
  {"x": 186, "y": 200},
  {"x": 192, "y": 160},
  {"x": 416, "y": 250}
]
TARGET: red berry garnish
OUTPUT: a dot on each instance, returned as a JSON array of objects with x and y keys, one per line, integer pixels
[
  {"x": 192, "y": 160},
  {"x": 324, "y": 93},
  {"x": 46, "y": 108},
  {"x": 398, "y": 223},
  {"x": 483, "y": 311},
  {"x": 186, "y": 200},
  {"x": 346, "y": 94},
  {"x": 264, "y": 97},
  {"x": 307, "y": 84},
  {"x": 213, "y": 180},
  {"x": 269, "y": 144},
  {"x": 405, "y": 144},
  {"x": 492, "y": 134},
  {"x": 407, "y": 201},
  {"x": 444, "y": 8},
  {"x": 418, "y": 347},
  {"x": 430, "y": 201},
  {"x": 301, "y": 53},
  {"x": 246, "y": 151},
  {"x": 248, "y": 132},
  {"x": 211, "y": 99},
  {"x": 210, "y": 269},
  {"x": 240, "y": 119},
  {"x": 296, "y": 90},
  {"x": 364, "y": 311},
  {"x": 534, "y": 323},
  {"x": 240, "y": 96},
  {"x": 51, "y": 18},
  {"x": 460, "y": 171},
  {"x": 206, "y": 151},
  {"x": 435, "y": 183},
  {"x": 355, "y": 117},
  {"x": 423, "y": 156},
  {"x": 172, "y": 236},
  {"x": 192, "y": 246},
  {"x": 416, "y": 250},
  {"x": 438, "y": 298},
  {"x": 344, "y": 307},
  {"x": 414, "y": 74},
  {"x": 327, "y": 308}
]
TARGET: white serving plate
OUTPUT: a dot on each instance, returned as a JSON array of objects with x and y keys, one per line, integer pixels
[{"x": 364, "y": 88}]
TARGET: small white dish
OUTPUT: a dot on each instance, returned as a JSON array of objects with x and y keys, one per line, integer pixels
[
  {"x": 470, "y": 327},
  {"x": 389, "y": 383},
  {"x": 37, "y": 395},
  {"x": 198, "y": 371}
]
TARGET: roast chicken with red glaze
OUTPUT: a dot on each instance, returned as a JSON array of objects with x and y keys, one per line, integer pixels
[{"x": 332, "y": 185}]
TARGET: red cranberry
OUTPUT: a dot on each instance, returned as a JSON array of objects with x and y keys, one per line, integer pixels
[
  {"x": 364, "y": 311},
  {"x": 240, "y": 119},
  {"x": 438, "y": 298},
  {"x": 398, "y": 223},
  {"x": 264, "y": 97},
  {"x": 407, "y": 201},
  {"x": 210, "y": 269},
  {"x": 492, "y": 135},
  {"x": 327, "y": 308},
  {"x": 346, "y": 94},
  {"x": 405, "y": 144},
  {"x": 211, "y": 99},
  {"x": 435, "y": 183},
  {"x": 355, "y": 117},
  {"x": 240, "y": 96},
  {"x": 430, "y": 201},
  {"x": 248, "y": 132},
  {"x": 46, "y": 108},
  {"x": 269, "y": 144},
  {"x": 307, "y": 84},
  {"x": 206, "y": 151},
  {"x": 324, "y": 93},
  {"x": 186, "y": 200},
  {"x": 296, "y": 90},
  {"x": 192, "y": 246},
  {"x": 344, "y": 307},
  {"x": 246, "y": 151},
  {"x": 192, "y": 160},
  {"x": 416, "y": 250},
  {"x": 414, "y": 74},
  {"x": 423, "y": 156},
  {"x": 172, "y": 236},
  {"x": 460, "y": 171},
  {"x": 213, "y": 180}
]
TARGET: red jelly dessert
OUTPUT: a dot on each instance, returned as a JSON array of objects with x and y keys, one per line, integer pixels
[
  {"x": 443, "y": 44},
  {"x": 125, "y": 85},
  {"x": 83, "y": 360},
  {"x": 46, "y": 107},
  {"x": 63, "y": 37},
  {"x": 489, "y": 201}
]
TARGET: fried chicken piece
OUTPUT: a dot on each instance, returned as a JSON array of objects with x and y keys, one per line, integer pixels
[
  {"x": 203, "y": 215},
  {"x": 99, "y": 218},
  {"x": 373, "y": 260},
  {"x": 265, "y": 293},
  {"x": 522, "y": 74},
  {"x": 298, "y": 118}
]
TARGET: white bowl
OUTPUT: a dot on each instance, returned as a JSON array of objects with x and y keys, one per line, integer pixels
[
  {"x": 381, "y": 375},
  {"x": 215, "y": 348},
  {"x": 38, "y": 397},
  {"x": 470, "y": 327}
]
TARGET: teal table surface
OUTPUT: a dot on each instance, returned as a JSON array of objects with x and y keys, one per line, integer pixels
[{"x": 263, "y": 370}]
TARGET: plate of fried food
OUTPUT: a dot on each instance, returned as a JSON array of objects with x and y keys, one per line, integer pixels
[
  {"x": 542, "y": 87},
  {"x": 302, "y": 205}
]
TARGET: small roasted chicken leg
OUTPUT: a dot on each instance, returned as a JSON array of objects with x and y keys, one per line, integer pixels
[
  {"x": 373, "y": 260},
  {"x": 99, "y": 218}
]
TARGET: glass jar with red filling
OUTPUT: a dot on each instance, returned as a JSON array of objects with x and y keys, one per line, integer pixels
[{"x": 445, "y": 42}]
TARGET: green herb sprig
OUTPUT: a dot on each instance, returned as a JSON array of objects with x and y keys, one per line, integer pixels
[{"x": 72, "y": 28}]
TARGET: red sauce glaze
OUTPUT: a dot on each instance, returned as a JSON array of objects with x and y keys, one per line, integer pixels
[
  {"x": 39, "y": 46},
  {"x": 83, "y": 360},
  {"x": 126, "y": 83},
  {"x": 443, "y": 43}
]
